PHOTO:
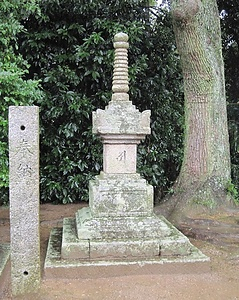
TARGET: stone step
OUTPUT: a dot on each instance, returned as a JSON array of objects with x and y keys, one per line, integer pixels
[
  {"x": 117, "y": 228},
  {"x": 72, "y": 247},
  {"x": 124, "y": 247},
  {"x": 57, "y": 267},
  {"x": 4, "y": 268}
]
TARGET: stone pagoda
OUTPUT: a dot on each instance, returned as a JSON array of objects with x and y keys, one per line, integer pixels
[{"x": 119, "y": 227}]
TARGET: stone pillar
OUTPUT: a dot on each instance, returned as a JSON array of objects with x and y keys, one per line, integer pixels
[{"x": 24, "y": 198}]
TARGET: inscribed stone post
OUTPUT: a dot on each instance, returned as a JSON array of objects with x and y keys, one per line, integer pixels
[{"x": 24, "y": 198}]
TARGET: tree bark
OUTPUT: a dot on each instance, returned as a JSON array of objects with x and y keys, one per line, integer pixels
[{"x": 205, "y": 171}]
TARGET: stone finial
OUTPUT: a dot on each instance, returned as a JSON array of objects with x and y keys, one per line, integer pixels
[{"x": 120, "y": 86}]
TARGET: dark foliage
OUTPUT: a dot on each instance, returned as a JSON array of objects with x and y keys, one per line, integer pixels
[
  {"x": 230, "y": 37},
  {"x": 14, "y": 88},
  {"x": 69, "y": 47}
]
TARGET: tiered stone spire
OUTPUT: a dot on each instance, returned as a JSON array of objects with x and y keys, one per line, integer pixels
[
  {"x": 120, "y": 86},
  {"x": 121, "y": 126}
]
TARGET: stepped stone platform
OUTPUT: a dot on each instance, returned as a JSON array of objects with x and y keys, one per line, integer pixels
[{"x": 171, "y": 252}]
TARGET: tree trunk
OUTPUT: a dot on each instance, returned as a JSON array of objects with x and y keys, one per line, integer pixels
[{"x": 205, "y": 172}]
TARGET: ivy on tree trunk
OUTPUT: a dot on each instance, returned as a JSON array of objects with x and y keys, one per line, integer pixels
[{"x": 205, "y": 170}]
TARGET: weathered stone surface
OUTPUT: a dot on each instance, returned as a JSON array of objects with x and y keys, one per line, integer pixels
[
  {"x": 124, "y": 249},
  {"x": 24, "y": 198},
  {"x": 4, "y": 256},
  {"x": 121, "y": 126},
  {"x": 120, "y": 77},
  {"x": 72, "y": 247},
  {"x": 117, "y": 238},
  {"x": 120, "y": 195},
  {"x": 120, "y": 158},
  {"x": 4, "y": 268},
  {"x": 56, "y": 267},
  {"x": 121, "y": 118},
  {"x": 120, "y": 228}
]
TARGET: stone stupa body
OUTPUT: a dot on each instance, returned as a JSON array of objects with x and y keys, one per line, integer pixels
[{"x": 119, "y": 227}]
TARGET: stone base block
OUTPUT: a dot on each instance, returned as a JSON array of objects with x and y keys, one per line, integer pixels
[
  {"x": 121, "y": 238},
  {"x": 57, "y": 267},
  {"x": 117, "y": 195},
  {"x": 126, "y": 250},
  {"x": 121, "y": 228},
  {"x": 4, "y": 268},
  {"x": 98, "y": 247},
  {"x": 75, "y": 248},
  {"x": 72, "y": 247}
]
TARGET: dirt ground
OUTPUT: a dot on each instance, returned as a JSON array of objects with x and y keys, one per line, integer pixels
[{"x": 221, "y": 283}]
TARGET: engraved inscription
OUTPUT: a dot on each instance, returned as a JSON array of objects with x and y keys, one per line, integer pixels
[
  {"x": 121, "y": 156},
  {"x": 24, "y": 149},
  {"x": 24, "y": 170},
  {"x": 23, "y": 152}
]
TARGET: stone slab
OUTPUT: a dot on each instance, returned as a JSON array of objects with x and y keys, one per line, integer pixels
[
  {"x": 56, "y": 267},
  {"x": 4, "y": 268},
  {"x": 122, "y": 118},
  {"x": 120, "y": 158},
  {"x": 75, "y": 248},
  {"x": 24, "y": 198},
  {"x": 124, "y": 249},
  {"x": 72, "y": 247},
  {"x": 121, "y": 228},
  {"x": 120, "y": 195},
  {"x": 125, "y": 238}
]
